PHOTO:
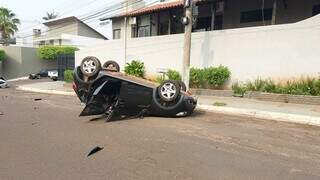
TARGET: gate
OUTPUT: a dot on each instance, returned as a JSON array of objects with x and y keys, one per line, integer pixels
[{"x": 65, "y": 62}]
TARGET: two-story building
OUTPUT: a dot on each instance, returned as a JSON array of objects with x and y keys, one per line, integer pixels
[
  {"x": 164, "y": 17},
  {"x": 66, "y": 31}
]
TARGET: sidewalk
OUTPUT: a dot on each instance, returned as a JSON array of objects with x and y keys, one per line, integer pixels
[
  {"x": 296, "y": 113},
  {"x": 54, "y": 87}
]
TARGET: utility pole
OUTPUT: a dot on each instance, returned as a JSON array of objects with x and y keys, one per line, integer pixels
[
  {"x": 187, "y": 21},
  {"x": 274, "y": 12},
  {"x": 125, "y": 31}
]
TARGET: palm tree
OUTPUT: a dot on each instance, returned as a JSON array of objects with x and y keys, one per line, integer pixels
[
  {"x": 51, "y": 15},
  {"x": 8, "y": 25}
]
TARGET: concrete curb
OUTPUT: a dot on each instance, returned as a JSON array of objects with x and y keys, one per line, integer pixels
[
  {"x": 22, "y": 88},
  {"x": 17, "y": 79},
  {"x": 275, "y": 116}
]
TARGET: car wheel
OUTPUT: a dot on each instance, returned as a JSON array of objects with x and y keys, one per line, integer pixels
[
  {"x": 169, "y": 91},
  {"x": 182, "y": 85},
  {"x": 111, "y": 66},
  {"x": 90, "y": 66}
]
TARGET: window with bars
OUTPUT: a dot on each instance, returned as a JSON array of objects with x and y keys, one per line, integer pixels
[
  {"x": 256, "y": 15},
  {"x": 316, "y": 10}
]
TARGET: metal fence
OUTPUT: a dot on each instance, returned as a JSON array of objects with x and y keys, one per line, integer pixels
[{"x": 65, "y": 62}]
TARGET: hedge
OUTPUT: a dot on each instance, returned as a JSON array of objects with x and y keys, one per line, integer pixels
[
  {"x": 173, "y": 75},
  {"x": 135, "y": 68},
  {"x": 52, "y": 52},
  {"x": 211, "y": 77},
  {"x": 303, "y": 86},
  {"x": 68, "y": 76},
  {"x": 2, "y": 55}
]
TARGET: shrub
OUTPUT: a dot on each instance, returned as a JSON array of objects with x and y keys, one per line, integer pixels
[
  {"x": 197, "y": 78},
  {"x": 173, "y": 75},
  {"x": 2, "y": 55},
  {"x": 52, "y": 52},
  {"x": 135, "y": 68},
  {"x": 159, "y": 79},
  {"x": 68, "y": 75},
  {"x": 217, "y": 76},
  {"x": 306, "y": 86},
  {"x": 238, "y": 89}
]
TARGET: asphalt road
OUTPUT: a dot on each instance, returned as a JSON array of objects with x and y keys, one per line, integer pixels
[{"x": 46, "y": 139}]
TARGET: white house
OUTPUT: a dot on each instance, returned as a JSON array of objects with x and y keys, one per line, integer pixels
[{"x": 67, "y": 31}]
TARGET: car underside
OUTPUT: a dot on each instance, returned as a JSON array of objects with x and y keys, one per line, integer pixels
[{"x": 105, "y": 91}]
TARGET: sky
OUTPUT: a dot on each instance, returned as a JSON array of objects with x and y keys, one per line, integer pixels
[{"x": 30, "y": 12}]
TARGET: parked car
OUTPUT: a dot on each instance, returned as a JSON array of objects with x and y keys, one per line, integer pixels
[
  {"x": 3, "y": 83},
  {"x": 53, "y": 74},
  {"x": 42, "y": 73},
  {"x": 106, "y": 91}
]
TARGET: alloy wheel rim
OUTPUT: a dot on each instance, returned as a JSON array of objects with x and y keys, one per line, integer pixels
[
  {"x": 89, "y": 66},
  {"x": 168, "y": 90}
]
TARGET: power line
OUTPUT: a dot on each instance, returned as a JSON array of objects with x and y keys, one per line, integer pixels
[
  {"x": 59, "y": 15},
  {"x": 91, "y": 17}
]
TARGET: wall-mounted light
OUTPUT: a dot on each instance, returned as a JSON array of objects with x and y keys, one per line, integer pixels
[{"x": 185, "y": 20}]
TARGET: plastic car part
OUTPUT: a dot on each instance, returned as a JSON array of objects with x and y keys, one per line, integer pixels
[
  {"x": 90, "y": 66},
  {"x": 111, "y": 66},
  {"x": 169, "y": 91},
  {"x": 94, "y": 150}
]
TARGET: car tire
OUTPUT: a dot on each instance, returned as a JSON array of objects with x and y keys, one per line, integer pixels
[
  {"x": 111, "y": 66},
  {"x": 90, "y": 66},
  {"x": 169, "y": 90},
  {"x": 182, "y": 85}
]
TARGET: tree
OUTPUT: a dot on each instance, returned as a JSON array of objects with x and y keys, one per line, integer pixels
[
  {"x": 8, "y": 25},
  {"x": 50, "y": 15}
]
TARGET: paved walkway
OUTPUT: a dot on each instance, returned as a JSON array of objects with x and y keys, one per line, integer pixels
[
  {"x": 297, "y": 113},
  {"x": 52, "y": 87},
  {"x": 243, "y": 103}
]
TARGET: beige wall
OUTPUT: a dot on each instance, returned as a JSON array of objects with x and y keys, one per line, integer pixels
[
  {"x": 21, "y": 61},
  {"x": 84, "y": 30},
  {"x": 66, "y": 28},
  {"x": 279, "y": 52}
]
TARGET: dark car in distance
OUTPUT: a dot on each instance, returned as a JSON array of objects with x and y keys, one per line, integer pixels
[
  {"x": 44, "y": 73},
  {"x": 106, "y": 91}
]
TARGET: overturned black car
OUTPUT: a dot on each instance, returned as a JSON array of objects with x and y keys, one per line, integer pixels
[{"x": 105, "y": 91}]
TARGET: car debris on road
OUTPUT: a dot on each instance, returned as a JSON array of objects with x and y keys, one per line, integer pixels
[
  {"x": 105, "y": 90},
  {"x": 95, "y": 150},
  {"x": 3, "y": 83}
]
